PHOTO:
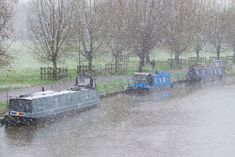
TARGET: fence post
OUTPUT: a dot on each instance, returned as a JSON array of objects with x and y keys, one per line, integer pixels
[
  {"x": 47, "y": 73},
  {"x": 41, "y": 72},
  {"x": 79, "y": 69},
  {"x": 105, "y": 90},
  {"x": 178, "y": 77},
  {"x": 59, "y": 73},
  {"x": 44, "y": 73},
  {"x": 67, "y": 72},
  {"x": 51, "y": 71}
]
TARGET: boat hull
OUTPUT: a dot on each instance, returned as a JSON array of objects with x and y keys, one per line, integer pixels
[{"x": 14, "y": 120}]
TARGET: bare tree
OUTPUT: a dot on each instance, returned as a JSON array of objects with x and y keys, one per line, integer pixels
[
  {"x": 200, "y": 24},
  {"x": 117, "y": 28},
  {"x": 231, "y": 29},
  {"x": 217, "y": 26},
  {"x": 144, "y": 22},
  {"x": 179, "y": 29},
  {"x": 6, "y": 15},
  {"x": 50, "y": 22},
  {"x": 90, "y": 28}
]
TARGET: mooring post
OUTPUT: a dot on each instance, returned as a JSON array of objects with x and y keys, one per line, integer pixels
[
  {"x": 178, "y": 77},
  {"x": 41, "y": 72},
  {"x": 2, "y": 121}
]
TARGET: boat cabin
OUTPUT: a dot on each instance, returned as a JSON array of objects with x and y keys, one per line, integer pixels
[
  {"x": 147, "y": 81},
  {"x": 85, "y": 82},
  {"x": 213, "y": 71},
  {"x": 49, "y": 103}
]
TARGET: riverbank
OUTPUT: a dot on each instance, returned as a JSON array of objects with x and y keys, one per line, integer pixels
[
  {"x": 192, "y": 123},
  {"x": 106, "y": 87}
]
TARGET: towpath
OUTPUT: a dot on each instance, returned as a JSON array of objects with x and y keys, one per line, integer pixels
[{"x": 55, "y": 87}]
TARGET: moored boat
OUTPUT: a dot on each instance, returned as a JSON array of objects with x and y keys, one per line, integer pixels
[
  {"x": 144, "y": 82},
  {"x": 213, "y": 71},
  {"x": 46, "y": 104}
]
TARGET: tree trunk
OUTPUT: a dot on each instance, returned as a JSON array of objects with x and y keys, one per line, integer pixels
[
  {"x": 116, "y": 64},
  {"x": 90, "y": 63},
  {"x": 54, "y": 71},
  {"x": 147, "y": 60},
  {"x": 218, "y": 52},
  {"x": 233, "y": 53},
  {"x": 141, "y": 63},
  {"x": 198, "y": 55},
  {"x": 177, "y": 59},
  {"x": 218, "y": 55}
]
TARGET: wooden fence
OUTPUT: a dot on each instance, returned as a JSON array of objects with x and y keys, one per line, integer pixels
[
  {"x": 84, "y": 69},
  {"x": 47, "y": 72},
  {"x": 161, "y": 63},
  {"x": 173, "y": 63},
  {"x": 124, "y": 59},
  {"x": 119, "y": 69},
  {"x": 193, "y": 60},
  {"x": 215, "y": 58}
]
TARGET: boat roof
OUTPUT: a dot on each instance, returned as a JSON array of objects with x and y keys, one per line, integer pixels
[
  {"x": 48, "y": 94},
  {"x": 141, "y": 73}
]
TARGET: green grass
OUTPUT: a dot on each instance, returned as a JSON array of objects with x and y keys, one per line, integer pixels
[
  {"x": 25, "y": 68},
  {"x": 24, "y": 71},
  {"x": 104, "y": 88},
  {"x": 3, "y": 107},
  {"x": 25, "y": 59},
  {"x": 112, "y": 86},
  {"x": 208, "y": 51},
  {"x": 20, "y": 79}
]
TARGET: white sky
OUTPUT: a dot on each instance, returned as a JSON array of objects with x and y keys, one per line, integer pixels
[{"x": 23, "y": 1}]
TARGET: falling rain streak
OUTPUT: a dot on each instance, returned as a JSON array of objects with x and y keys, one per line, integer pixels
[{"x": 193, "y": 122}]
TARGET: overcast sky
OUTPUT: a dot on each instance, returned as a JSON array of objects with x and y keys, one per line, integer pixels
[
  {"x": 22, "y": 1},
  {"x": 20, "y": 23}
]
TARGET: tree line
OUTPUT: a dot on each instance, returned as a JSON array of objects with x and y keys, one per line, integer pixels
[{"x": 92, "y": 27}]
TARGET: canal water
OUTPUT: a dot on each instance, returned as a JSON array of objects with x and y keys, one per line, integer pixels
[{"x": 185, "y": 121}]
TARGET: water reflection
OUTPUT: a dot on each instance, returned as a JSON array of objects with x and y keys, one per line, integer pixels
[
  {"x": 22, "y": 136},
  {"x": 195, "y": 120}
]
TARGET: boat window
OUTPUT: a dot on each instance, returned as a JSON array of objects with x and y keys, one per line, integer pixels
[
  {"x": 20, "y": 105},
  {"x": 83, "y": 81},
  {"x": 203, "y": 72},
  {"x": 79, "y": 96},
  {"x": 46, "y": 104},
  {"x": 220, "y": 72},
  {"x": 164, "y": 80},
  {"x": 40, "y": 104},
  {"x": 139, "y": 78}
]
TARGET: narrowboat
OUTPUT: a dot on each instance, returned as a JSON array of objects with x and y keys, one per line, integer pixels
[
  {"x": 213, "y": 71},
  {"x": 144, "y": 82},
  {"x": 46, "y": 104}
]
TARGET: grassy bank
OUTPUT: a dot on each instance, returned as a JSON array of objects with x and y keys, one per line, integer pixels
[
  {"x": 25, "y": 68},
  {"x": 111, "y": 86},
  {"x": 27, "y": 78},
  {"x": 14, "y": 79},
  {"x": 3, "y": 107},
  {"x": 103, "y": 88}
]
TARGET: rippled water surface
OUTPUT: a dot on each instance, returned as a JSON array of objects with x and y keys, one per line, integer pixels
[{"x": 190, "y": 123}]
